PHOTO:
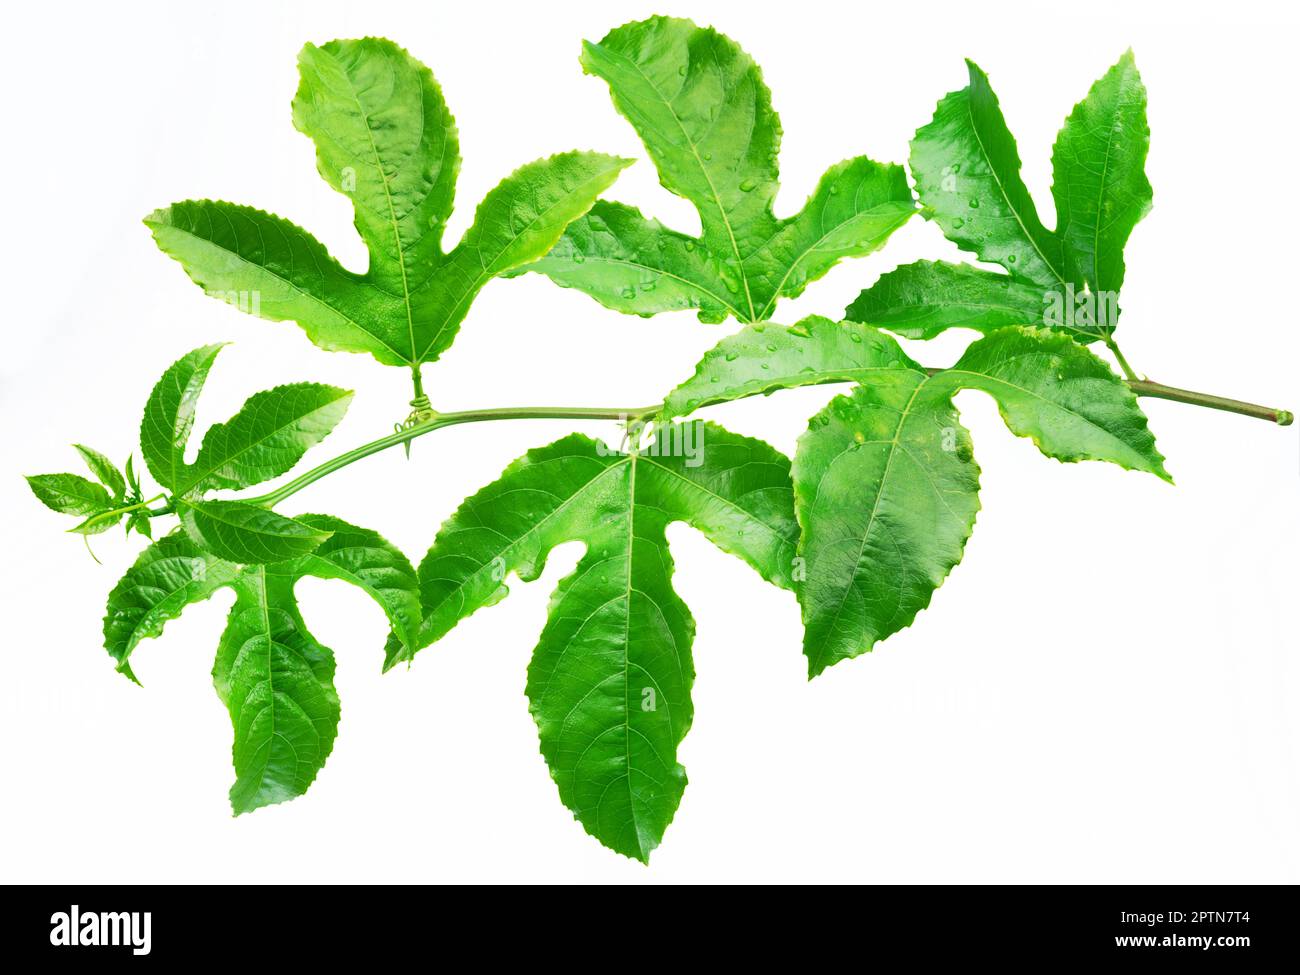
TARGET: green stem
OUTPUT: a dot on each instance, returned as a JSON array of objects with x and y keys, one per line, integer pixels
[
  {"x": 117, "y": 512},
  {"x": 1129, "y": 374},
  {"x": 437, "y": 422},
  {"x": 1144, "y": 387}
]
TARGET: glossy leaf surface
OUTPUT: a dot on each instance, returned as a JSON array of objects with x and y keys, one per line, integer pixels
[
  {"x": 275, "y": 678},
  {"x": 967, "y": 172},
  {"x": 701, "y": 108},
  {"x": 609, "y": 683},
  {"x": 885, "y": 481},
  {"x": 247, "y": 533},
  {"x": 385, "y": 138}
]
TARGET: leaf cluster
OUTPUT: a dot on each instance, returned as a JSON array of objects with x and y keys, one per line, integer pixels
[{"x": 862, "y": 524}]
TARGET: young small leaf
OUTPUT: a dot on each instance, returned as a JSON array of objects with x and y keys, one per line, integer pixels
[
  {"x": 105, "y": 471},
  {"x": 700, "y": 106},
  {"x": 384, "y": 137},
  {"x": 139, "y": 522},
  {"x": 132, "y": 482},
  {"x": 169, "y": 415},
  {"x": 247, "y": 534},
  {"x": 269, "y": 434},
  {"x": 69, "y": 494}
]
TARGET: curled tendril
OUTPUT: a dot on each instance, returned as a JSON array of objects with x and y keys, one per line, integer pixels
[{"x": 421, "y": 411}]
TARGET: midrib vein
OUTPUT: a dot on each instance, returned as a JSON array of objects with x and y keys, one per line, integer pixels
[
  {"x": 713, "y": 190},
  {"x": 392, "y": 215}
]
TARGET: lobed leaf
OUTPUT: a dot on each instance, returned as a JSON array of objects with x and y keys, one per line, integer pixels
[
  {"x": 277, "y": 682},
  {"x": 273, "y": 676},
  {"x": 705, "y": 116},
  {"x": 168, "y": 576},
  {"x": 169, "y": 415},
  {"x": 884, "y": 479},
  {"x": 385, "y": 137},
  {"x": 967, "y": 173},
  {"x": 609, "y": 683},
  {"x": 1060, "y": 395}
]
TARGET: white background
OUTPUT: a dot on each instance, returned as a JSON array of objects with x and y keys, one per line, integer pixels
[{"x": 1106, "y": 690}]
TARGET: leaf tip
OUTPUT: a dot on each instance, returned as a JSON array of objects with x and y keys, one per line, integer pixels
[{"x": 125, "y": 670}]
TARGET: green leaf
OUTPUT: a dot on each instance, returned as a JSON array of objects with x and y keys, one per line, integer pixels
[
  {"x": 1048, "y": 387},
  {"x": 609, "y": 683},
  {"x": 518, "y": 221},
  {"x": 277, "y": 682},
  {"x": 274, "y": 677},
  {"x": 169, "y": 415},
  {"x": 920, "y": 300},
  {"x": 1062, "y": 396},
  {"x": 885, "y": 484},
  {"x": 97, "y": 523},
  {"x": 132, "y": 481},
  {"x": 69, "y": 494},
  {"x": 105, "y": 471},
  {"x": 636, "y": 265},
  {"x": 266, "y": 266},
  {"x": 366, "y": 560},
  {"x": 138, "y": 521},
  {"x": 385, "y": 138},
  {"x": 765, "y": 357},
  {"x": 1099, "y": 181},
  {"x": 700, "y": 106},
  {"x": 886, "y": 491},
  {"x": 967, "y": 173},
  {"x": 247, "y": 534},
  {"x": 267, "y": 437},
  {"x": 856, "y": 206},
  {"x": 168, "y": 576}
]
